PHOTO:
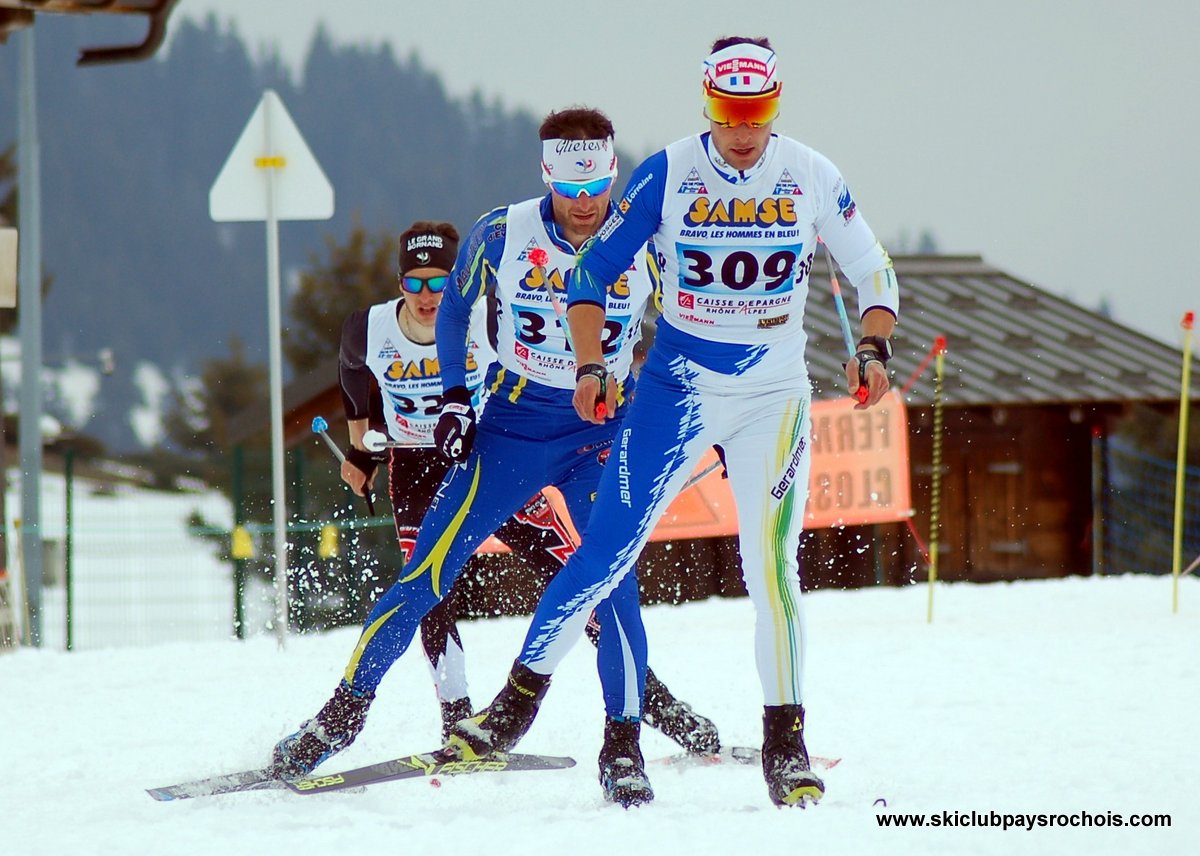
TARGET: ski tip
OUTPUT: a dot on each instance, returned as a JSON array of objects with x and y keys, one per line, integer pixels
[
  {"x": 559, "y": 761},
  {"x": 226, "y": 783}
]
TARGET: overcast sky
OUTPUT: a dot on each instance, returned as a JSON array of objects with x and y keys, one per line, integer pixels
[{"x": 1057, "y": 138}]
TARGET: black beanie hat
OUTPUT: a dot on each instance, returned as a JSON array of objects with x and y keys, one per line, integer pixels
[{"x": 427, "y": 244}]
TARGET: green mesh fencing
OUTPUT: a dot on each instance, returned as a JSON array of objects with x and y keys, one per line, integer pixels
[{"x": 1139, "y": 511}]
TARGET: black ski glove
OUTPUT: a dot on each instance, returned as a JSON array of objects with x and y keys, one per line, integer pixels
[
  {"x": 454, "y": 434},
  {"x": 365, "y": 462},
  {"x": 864, "y": 358}
]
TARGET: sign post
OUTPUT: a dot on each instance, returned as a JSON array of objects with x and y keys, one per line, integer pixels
[
  {"x": 271, "y": 175},
  {"x": 8, "y": 300}
]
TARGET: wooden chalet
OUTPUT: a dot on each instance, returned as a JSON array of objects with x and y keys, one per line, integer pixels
[{"x": 1033, "y": 386}]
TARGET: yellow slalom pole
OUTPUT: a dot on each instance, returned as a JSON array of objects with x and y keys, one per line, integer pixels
[
  {"x": 1188, "y": 322},
  {"x": 935, "y": 493}
]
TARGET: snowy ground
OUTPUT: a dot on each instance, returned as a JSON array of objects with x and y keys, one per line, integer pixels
[{"x": 1033, "y": 698}]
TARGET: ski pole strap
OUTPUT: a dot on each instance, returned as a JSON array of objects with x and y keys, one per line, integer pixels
[
  {"x": 866, "y": 356},
  {"x": 600, "y": 372},
  {"x": 595, "y": 370},
  {"x": 365, "y": 462}
]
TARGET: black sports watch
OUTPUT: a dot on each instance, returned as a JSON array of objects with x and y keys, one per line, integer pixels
[
  {"x": 881, "y": 344},
  {"x": 596, "y": 370}
]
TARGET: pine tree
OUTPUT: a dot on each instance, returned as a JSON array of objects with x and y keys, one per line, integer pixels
[
  {"x": 353, "y": 275},
  {"x": 197, "y": 422}
]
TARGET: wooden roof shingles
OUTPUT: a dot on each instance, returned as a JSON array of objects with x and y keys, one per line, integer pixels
[{"x": 1008, "y": 342}]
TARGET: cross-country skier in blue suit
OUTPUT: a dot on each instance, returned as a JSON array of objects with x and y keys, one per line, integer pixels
[{"x": 528, "y": 436}]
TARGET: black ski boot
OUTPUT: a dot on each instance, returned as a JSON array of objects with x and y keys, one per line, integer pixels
[
  {"x": 622, "y": 769},
  {"x": 452, "y": 712},
  {"x": 499, "y": 726},
  {"x": 676, "y": 719},
  {"x": 330, "y": 731},
  {"x": 790, "y": 779}
]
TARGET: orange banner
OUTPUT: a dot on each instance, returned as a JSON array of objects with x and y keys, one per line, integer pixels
[
  {"x": 860, "y": 471},
  {"x": 859, "y": 476}
]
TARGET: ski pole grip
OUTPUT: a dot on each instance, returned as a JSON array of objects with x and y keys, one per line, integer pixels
[{"x": 321, "y": 427}]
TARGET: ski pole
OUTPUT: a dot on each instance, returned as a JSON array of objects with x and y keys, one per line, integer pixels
[
  {"x": 321, "y": 427},
  {"x": 703, "y": 474},
  {"x": 1195, "y": 564},
  {"x": 540, "y": 258},
  {"x": 862, "y": 392},
  {"x": 377, "y": 441}
]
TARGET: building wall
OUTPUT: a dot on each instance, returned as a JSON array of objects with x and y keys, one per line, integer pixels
[
  {"x": 1015, "y": 504},
  {"x": 1016, "y": 490}
]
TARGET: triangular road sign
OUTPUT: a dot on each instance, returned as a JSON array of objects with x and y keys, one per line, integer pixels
[{"x": 271, "y": 147}]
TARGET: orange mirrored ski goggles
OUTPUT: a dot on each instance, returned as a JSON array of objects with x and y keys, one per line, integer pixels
[{"x": 729, "y": 110}]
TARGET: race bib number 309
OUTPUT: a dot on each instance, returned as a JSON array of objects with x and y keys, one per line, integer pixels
[{"x": 735, "y": 270}]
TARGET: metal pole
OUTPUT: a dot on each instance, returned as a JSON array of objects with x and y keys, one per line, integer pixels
[
  {"x": 30, "y": 302},
  {"x": 276, "y": 368},
  {"x": 298, "y": 493},
  {"x": 4, "y": 569},
  {"x": 69, "y": 545},
  {"x": 7, "y": 634},
  {"x": 876, "y": 537},
  {"x": 1097, "y": 501}
]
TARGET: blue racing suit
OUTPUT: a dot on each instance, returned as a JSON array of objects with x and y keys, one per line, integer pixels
[{"x": 528, "y": 436}]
